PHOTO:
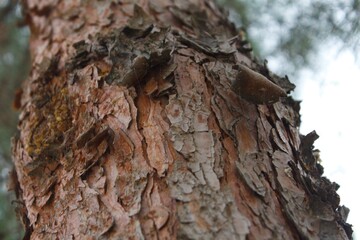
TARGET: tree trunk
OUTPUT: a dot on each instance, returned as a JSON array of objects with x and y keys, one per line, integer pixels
[{"x": 150, "y": 121}]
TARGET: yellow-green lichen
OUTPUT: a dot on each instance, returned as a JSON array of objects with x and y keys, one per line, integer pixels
[{"x": 49, "y": 124}]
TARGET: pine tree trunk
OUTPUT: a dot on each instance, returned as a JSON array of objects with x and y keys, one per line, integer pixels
[{"x": 149, "y": 121}]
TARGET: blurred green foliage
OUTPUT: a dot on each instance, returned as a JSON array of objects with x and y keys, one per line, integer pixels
[
  {"x": 293, "y": 31},
  {"x": 10, "y": 228},
  {"x": 14, "y": 65}
]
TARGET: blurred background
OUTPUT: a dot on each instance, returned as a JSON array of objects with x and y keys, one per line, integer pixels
[
  {"x": 314, "y": 42},
  {"x": 14, "y": 67}
]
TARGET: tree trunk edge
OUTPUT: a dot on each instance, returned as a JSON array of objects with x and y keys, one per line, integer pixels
[{"x": 194, "y": 154}]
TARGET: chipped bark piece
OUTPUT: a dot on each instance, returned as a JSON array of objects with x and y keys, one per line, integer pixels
[
  {"x": 256, "y": 88},
  {"x": 40, "y": 101},
  {"x": 344, "y": 212},
  {"x": 96, "y": 157},
  {"x": 183, "y": 16},
  {"x": 13, "y": 182},
  {"x": 138, "y": 70},
  {"x": 82, "y": 56},
  {"x": 160, "y": 57},
  {"x": 151, "y": 86},
  {"x": 283, "y": 82},
  {"x": 105, "y": 134},
  {"x": 140, "y": 20},
  {"x": 36, "y": 168},
  {"x": 203, "y": 47},
  {"x": 85, "y": 137},
  {"x": 160, "y": 80},
  {"x": 17, "y": 99},
  {"x": 249, "y": 170},
  {"x": 130, "y": 62},
  {"x": 306, "y": 152},
  {"x": 48, "y": 68}
]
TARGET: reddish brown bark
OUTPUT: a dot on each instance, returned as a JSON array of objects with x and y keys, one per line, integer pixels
[{"x": 131, "y": 128}]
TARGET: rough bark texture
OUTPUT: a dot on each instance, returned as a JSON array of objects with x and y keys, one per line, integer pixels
[{"x": 143, "y": 121}]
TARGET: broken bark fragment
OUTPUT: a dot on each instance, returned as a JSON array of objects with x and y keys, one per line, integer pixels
[{"x": 256, "y": 88}]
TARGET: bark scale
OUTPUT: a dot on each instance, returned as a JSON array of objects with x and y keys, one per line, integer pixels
[{"x": 130, "y": 129}]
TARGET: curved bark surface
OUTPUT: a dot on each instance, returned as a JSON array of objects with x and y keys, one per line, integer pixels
[{"x": 154, "y": 121}]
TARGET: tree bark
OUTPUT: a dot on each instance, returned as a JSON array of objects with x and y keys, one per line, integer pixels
[{"x": 154, "y": 121}]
